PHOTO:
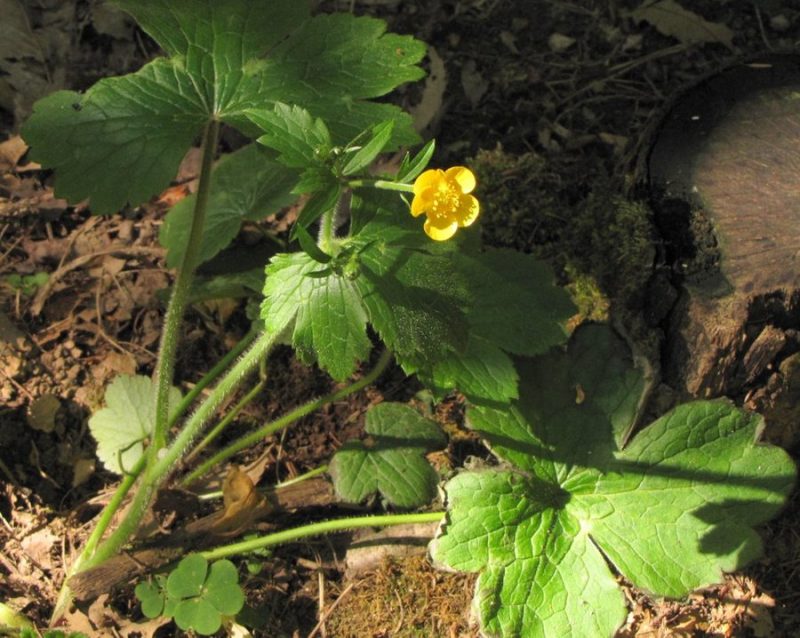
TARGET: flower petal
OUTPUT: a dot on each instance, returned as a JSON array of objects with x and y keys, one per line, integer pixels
[
  {"x": 421, "y": 203},
  {"x": 428, "y": 179},
  {"x": 464, "y": 177},
  {"x": 440, "y": 233},
  {"x": 468, "y": 210}
]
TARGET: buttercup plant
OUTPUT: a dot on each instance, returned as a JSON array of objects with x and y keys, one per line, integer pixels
[{"x": 458, "y": 316}]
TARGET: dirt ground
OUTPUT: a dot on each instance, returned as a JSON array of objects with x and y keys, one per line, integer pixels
[{"x": 554, "y": 104}]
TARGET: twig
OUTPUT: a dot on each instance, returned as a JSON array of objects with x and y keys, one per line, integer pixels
[
  {"x": 331, "y": 609},
  {"x": 44, "y": 291}
]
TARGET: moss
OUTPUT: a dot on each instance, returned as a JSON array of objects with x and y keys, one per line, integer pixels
[
  {"x": 586, "y": 230},
  {"x": 407, "y": 599},
  {"x": 519, "y": 199},
  {"x": 612, "y": 239}
]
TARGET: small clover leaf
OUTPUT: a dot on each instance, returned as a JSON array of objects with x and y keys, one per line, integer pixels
[
  {"x": 151, "y": 596},
  {"x": 671, "y": 511},
  {"x": 222, "y": 588},
  {"x": 392, "y": 462},
  {"x": 195, "y": 595},
  {"x": 122, "y": 427},
  {"x": 187, "y": 579}
]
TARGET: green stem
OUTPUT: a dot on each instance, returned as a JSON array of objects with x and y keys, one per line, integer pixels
[
  {"x": 325, "y": 238},
  {"x": 156, "y": 474},
  {"x": 287, "y": 419},
  {"x": 315, "y": 529},
  {"x": 212, "y": 374},
  {"x": 129, "y": 479},
  {"x": 382, "y": 184},
  {"x": 165, "y": 366},
  {"x": 302, "y": 477},
  {"x": 226, "y": 420}
]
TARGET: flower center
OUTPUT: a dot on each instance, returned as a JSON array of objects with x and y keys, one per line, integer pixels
[{"x": 446, "y": 199}]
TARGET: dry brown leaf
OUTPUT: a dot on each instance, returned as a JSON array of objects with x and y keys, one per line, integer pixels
[
  {"x": 42, "y": 413},
  {"x": 671, "y": 19},
  {"x": 38, "y": 547},
  {"x": 429, "y": 109},
  {"x": 11, "y": 151}
]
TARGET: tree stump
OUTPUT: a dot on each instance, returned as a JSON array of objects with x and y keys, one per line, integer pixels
[{"x": 725, "y": 168}]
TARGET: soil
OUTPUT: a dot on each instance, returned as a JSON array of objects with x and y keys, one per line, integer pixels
[{"x": 555, "y": 105}]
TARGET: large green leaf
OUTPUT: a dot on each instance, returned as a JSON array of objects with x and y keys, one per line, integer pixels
[
  {"x": 515, "y": 308},
  {"x": 392, "y": 461},
  {"x": 121, "y": 141},
  {"x": 121, "y": 427},
  {"x": 413, "y": 298},
  {"x": 671, "y": 512},
  {"x": 245, "y": 185}
]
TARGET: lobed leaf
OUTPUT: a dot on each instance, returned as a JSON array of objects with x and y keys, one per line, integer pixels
[
  {"x": 121, "y": 141},
  {"x": 121, "y": 427},
  {"x": 325, "y": 313},
  {"x": 392, "y": 462},
  {"x": 247, "y": 185},
  {"x": 671, "y": 512}
]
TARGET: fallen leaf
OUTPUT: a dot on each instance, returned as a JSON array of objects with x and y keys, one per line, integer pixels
[
  {"x": 82, "y": 469},
  {"x": 473, "y": 83},
  {"x": 671, "y": 19},
  {"x": 42, "y": 413},
  {"x": 429, "y": 108},
  {"x": 11, "y": 151},
  {"x": 38, "y": 547}
]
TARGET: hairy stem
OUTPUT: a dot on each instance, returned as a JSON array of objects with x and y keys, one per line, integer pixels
[
  {"x": 288, "y": 419},
  {"x": 165, "y": 366},
  {"x": 211, "y": 375},
  {"x": 382, "y": 184},
  {"x": 226, "y": 420},
  {"x": 315, "y": 529}
]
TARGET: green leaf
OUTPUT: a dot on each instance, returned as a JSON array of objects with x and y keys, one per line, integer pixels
[
  {"x": 310, "y": 247},
  {"x": 187, "y": 579},
  {"x": 300, "y": 139},
  {"x": 317, "y": 205},
  {"x": 127, "y": 420},
  {"x": 671, "y": 512},
  {"x": 199, "y": 615},
  {"x": 541, "y": 575},
  {"x": 222, "y": 588},
  {"x": 333, "y": 63},
  {"x": 414, "y": 295},
  {"x": 482, "y": 372},
  {"x": 122, "y": 140},
  {"x": 235, "y": 285},
  {"x": 392, "y": 462},
  {"x": 381, "y": 134},
  {"x": 245, "y": 185},
  {"x": 516, "y": 308},
  {"x": 517, "y": 305},
  {"x": 410, "y": 169},
  {"x": 152, "y": 598},
  {"x": 327, "y": 314}
]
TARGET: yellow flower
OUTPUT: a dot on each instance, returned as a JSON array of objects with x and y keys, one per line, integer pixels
[{"x": 444, "y": 196}]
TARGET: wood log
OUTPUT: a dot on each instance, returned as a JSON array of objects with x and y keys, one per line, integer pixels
[{"x": 725, "y": 168}]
